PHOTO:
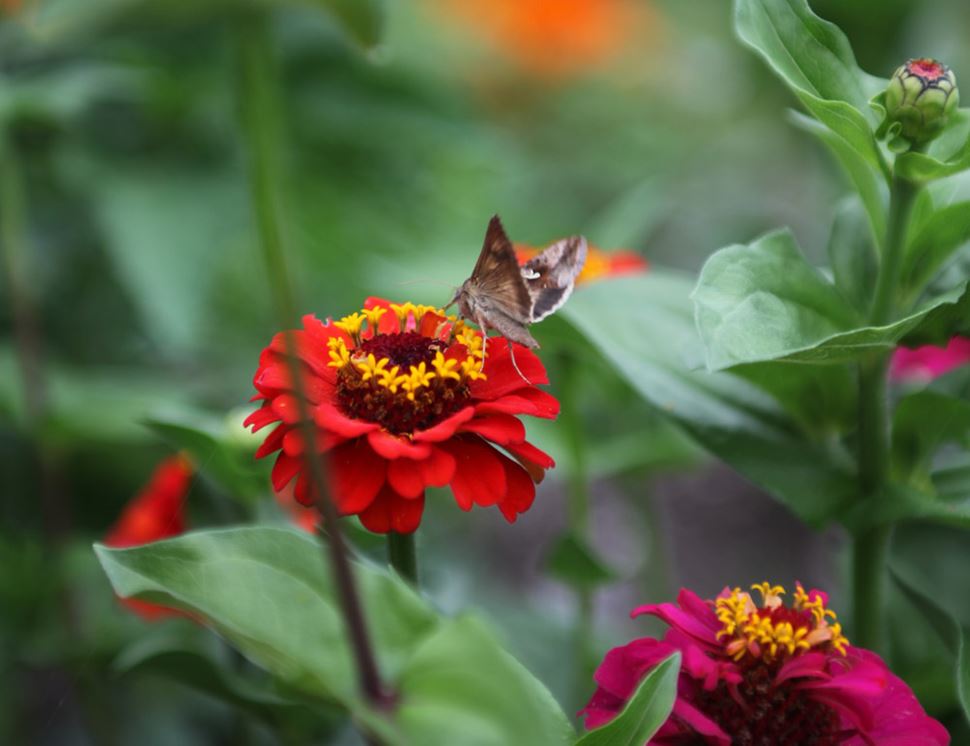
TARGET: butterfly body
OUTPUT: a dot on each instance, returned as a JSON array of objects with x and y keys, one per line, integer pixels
[{"x": 507, "y": 297}]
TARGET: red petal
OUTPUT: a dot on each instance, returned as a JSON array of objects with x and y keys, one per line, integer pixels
[
  {"x": 533, "y": 401},
  {"x": 357, "y": 473},
  {"x": 439, "y": 469},
  {"x": 394, "y": 447},
  {"x": 406, "y": 477},
  {"x": 499, "y": 428},
  {"x": 479, "y": 475},
  {"x": 391, "y": 512},
  {"x": 273, "y": 442},
  {"x": 328, "y": 416},
  {"x": 502, "y": 377},
  {"x": 278, "y": 378},
  {"x": 389, "y": 322},
  {"x": 326, "y": 441},
  {"x": 521, "y": 490},
  {"x": 525, "y": 451},
  {"x": 446, "y": 428},
  {"x": 261, "y": 417},
  {"x": 285, "y": 468}
]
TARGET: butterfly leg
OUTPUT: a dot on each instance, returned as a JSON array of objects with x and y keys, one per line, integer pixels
[{"x": 514, "y": 364}]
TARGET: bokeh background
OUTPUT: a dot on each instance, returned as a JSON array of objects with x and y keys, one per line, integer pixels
[{"x": 131, "y": 267}]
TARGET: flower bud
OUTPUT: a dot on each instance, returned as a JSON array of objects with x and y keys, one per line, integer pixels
[{"x": 920, "y": 97}]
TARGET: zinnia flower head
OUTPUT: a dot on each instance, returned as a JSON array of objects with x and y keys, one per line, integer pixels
[
  {"x": 769, "y": 673},
  {"x": 928, "y": 362},
  {"x": 403, "y": 398},
  {"x": 156, "y": 512},
  {"x": 599, "y": 264}
]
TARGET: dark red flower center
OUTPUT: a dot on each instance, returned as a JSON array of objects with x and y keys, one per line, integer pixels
[
  {"x": 386, "y": 395},
  {"x": 763, "y": 713},
  {"x": 928, "y": 69},
  {"x": 404, "y": 349}
]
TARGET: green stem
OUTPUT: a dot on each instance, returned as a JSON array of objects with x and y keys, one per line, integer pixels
[
  {"x": 402, "y": 555},
  {"x": 871, "y": 546},
  {"x": 259, "y": 102}
]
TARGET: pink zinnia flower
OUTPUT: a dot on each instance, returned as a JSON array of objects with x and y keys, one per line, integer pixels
[
  {"x": 769, "y": 674},
  {"x": 929, "y": 362}
]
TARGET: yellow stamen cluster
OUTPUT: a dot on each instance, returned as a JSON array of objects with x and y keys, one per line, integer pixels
[
  {"x": 370, "y": 354},
  {"x": 773, "y": 631}
]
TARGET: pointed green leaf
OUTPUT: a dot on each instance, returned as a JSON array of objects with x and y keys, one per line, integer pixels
[
  {"x": 955, "y": 635},
  {"x": 763, "y": 301},
  {"x": 461, "y": 687},
  {"x": 924, "y": 421},
  {"x": 644, "y": 713},
  {"x": 942, "y": 233},
  {"x": 815, "y": 60},
  {"x": 267, "y": 590},
  {"x": 643, "y": 325},
  {"x": 949, "y": 154},
  {"x": 852, "y": 255}
]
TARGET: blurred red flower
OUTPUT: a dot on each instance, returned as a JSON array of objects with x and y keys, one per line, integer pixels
[
  {"x": 553, "y": 38},
  {"x": 404, "y": 398},
  {"x": 599, "y": 264},
  {"x": 156, "y": 512},
  {"x": 773, "y": 673},
  {"x": 928, "y": 362}
]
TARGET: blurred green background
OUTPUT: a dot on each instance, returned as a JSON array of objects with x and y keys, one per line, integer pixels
[{"x": 124, "y": 216}]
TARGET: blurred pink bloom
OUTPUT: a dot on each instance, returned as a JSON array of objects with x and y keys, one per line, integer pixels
[{"x": 928, "y": 362}]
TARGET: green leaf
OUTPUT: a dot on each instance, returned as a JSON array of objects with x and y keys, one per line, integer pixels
[
  {"x": 643, "y": 325},
  {"x": 763, "y": 301},
  {"x": 949, "y": 154},
  {"x": 852, "y": 255},
  {"x": 574, "y": 562},
  {"x": 646, "y": 711},
  {"x": 946, "y": 230},
  {"x": 815, "y": 60},
  {"x": 268, "y": 592},
  {"x": 955, "y": 635},
  {"x": 461, "y": 687},
  {"x": 200, "y": 667},
  {"x": 867, "y": 182},
  {"x": 923, "y": 422}
]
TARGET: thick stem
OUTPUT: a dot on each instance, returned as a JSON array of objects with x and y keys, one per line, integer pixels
[
  {"x": 259, "y": 103},
  {"x": 402, "y": 556},
  {"x": 871, "y": 546}
]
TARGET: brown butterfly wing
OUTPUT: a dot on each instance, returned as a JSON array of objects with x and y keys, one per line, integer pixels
[
  {"x": 497, "y": 276},
  {"x": 551, "y": 275}
]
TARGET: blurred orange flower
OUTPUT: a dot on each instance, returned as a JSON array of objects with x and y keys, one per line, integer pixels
[
  {"x": 599, "y": 265},
  {"x": 552, "y": 38}
]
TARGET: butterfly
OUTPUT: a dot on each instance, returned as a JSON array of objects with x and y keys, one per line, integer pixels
[{"x": 506, "y": 297}]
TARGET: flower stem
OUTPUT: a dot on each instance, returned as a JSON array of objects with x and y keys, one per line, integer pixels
[
  {"x": 402, "y": 555},
  {"x": 871, "y": 545},
  {"x": 259, "y": 103}
]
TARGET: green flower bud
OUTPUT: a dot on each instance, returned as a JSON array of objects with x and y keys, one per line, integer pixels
[{"x": 920, "y": 97}]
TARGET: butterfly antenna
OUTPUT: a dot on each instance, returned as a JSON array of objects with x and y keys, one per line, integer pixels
[{"x": 514, "y": 364}]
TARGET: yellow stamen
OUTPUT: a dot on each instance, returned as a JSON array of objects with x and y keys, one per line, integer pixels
[
  {"x": 339, "y": 354},
  {"x": 373, "y": 316},
  {"x": 370, "y": 366},
  {"x": 445, "y": 368},
  {"x": 351, "y": 324}
]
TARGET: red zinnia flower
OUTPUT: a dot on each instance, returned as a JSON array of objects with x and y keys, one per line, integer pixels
[
  {"x": 769, "y": 674},
  {"x": 929, "y": 362},
  {"x": 599, "y": 264},
  {"x": 404, "y": 398},
  {"x": 156, "y": 512}
]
